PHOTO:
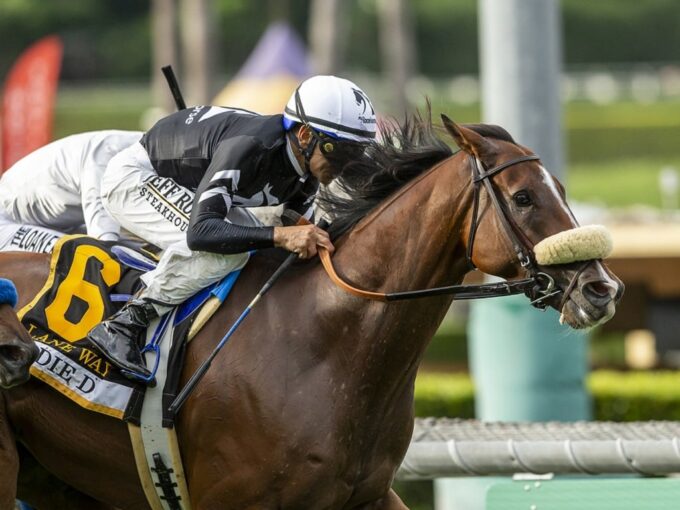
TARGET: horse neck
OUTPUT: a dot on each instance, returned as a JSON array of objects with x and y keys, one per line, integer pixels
[{"x": 414, "y": 240}]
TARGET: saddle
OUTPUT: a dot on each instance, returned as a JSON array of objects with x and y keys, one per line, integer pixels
[{"x": 90, "y": 280}]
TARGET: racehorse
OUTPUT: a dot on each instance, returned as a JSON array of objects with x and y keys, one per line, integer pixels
[
  {"x": 312, "y": 403},
  {"x": 17, "y": 349}
]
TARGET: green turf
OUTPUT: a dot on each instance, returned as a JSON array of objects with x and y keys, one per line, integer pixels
[
  {"x": 618, "y": 183},
  {"x": 82, "y": 109}
]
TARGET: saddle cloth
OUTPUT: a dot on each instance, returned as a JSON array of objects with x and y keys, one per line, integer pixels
[{"x": 88, "y": 283}]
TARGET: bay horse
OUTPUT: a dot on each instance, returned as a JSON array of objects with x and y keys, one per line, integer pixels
[
  {"x": 310, "y": 404},
  {"x": 17, "y": 349}
]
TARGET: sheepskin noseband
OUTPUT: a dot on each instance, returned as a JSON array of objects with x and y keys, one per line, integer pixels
[{"x": 582, "y": 243}]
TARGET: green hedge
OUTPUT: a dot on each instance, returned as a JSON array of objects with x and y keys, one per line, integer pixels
[{"x": 617, "y": 396}]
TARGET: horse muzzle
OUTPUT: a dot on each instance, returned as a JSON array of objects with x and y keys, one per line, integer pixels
[
  {"x": 593, "y": 299},
  {"x": 587, "y": 291},
  {"x": 16, "y": 358}
]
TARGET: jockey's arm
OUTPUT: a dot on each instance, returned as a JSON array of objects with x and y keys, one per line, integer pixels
[{"x": 209, "y": 227}]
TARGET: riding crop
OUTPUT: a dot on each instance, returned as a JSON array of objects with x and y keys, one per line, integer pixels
[
  {"x": 174, "y": 87},
  {"x": 200, "y": 372}
]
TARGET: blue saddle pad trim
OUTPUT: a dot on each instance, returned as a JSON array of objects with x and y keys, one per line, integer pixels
[
  {"x": 120, "y": 298},
  {"x": 132, "y": 259},
  {"x": 220, "y": 290}
]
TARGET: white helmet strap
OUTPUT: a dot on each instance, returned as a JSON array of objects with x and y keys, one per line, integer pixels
[{"x": 309, "y": 150}]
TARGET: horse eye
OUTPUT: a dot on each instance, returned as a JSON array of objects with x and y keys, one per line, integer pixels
[{"x": 522, "y": 198}]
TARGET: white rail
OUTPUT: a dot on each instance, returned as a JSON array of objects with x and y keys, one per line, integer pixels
[{"x": 446, "y": 447}]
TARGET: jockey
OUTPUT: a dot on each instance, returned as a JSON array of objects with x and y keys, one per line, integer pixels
[
  {"x": 55, "y": 190},
  {"x": 232, "y": 160}
]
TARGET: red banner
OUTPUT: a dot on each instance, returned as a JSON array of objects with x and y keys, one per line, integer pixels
[{"x": 28, "y": 100}]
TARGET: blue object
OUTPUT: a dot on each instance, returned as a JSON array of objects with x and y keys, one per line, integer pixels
[
  {"x": 133, "y": 259},
  {"x": 153, "y": 346},
  {"x": 288, "y": 124},
  {"x": 8, "y": 292},
  {"x": 220, "y": 290},
  {"x": 193, "y": 303},
  {"x": 120, "y": 298}
]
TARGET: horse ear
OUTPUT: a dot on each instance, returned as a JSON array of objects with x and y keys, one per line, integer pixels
[{"x": 468, "y": 141}]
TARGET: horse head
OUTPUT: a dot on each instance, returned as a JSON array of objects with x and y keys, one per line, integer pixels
[
  {"x": 520, "y": 224},
  {"x": 17, "y": 349}
]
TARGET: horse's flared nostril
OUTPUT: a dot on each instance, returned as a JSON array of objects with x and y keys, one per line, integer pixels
[
  {"x": 597, "y": 293},
  {"x": 12, "y": 352},
  {"x": 17, "y": 352}
]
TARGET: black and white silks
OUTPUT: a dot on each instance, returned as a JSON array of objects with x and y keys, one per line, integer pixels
[{"x": 232, "y": 158}]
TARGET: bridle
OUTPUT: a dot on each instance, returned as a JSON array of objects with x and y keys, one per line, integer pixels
[{"x": 539, "y": 286}]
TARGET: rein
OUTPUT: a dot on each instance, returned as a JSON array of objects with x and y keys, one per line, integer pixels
[
  {"x": 458, "y": 291},
  {"x": 539, "y": 287}
]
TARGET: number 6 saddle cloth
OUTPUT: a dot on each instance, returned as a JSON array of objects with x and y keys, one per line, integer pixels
[{"x": 86, "y": 278}]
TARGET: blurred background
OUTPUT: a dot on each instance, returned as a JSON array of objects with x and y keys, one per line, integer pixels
[
  {"x": 620, "y": 121},
  {"x": 621, "y": 82}
]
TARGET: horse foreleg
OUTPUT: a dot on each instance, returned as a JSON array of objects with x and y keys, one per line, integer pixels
[{"x": 9, "y": 461}]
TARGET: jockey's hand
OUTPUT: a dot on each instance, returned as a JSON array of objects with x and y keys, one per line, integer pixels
[{"x": 302, "y": 239}]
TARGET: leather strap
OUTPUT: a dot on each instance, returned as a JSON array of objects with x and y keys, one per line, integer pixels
[
  {"x": 487, "y": 290},
  {"x": 328, "y": 266}
]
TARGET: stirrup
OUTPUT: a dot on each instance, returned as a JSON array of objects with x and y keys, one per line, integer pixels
[
  {"x": 155, "y": 347},
  {"x": 149, "y": 380}
]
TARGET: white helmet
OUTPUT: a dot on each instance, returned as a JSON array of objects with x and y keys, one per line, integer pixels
[{"x": 334, "y": 106}]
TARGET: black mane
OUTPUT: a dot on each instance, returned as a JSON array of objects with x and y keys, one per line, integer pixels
[{"x": 407, "y": 149}]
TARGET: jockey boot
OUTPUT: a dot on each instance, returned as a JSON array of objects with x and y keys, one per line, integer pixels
[{"x": 121, "y": 336}]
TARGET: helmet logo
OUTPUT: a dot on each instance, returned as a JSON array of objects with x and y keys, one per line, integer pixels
[{"x": 362, "y": 99}]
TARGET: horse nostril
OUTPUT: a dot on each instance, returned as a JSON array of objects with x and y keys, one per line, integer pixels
[
  {"x": 11, "y": 353},
  {"x": 17, "y": 352},
  {"x": 597, "y": 293}
]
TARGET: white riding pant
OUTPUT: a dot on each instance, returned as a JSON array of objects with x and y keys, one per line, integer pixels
[
  {"x": 157, "y": 209},
  {"x": 22, "y": 237}
]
